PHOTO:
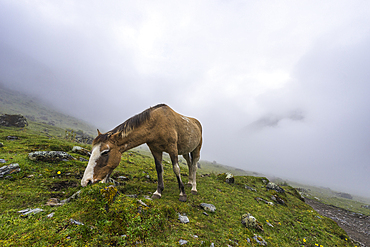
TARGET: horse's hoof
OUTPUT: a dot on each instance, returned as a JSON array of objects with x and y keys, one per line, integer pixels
[
  {"x": 194, "y": 192},
  {"x": 155, "y": 196},
  {"x": 182, "y": 198}
]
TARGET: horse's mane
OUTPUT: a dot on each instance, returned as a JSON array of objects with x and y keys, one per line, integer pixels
[{"x": 129, "y": 124}]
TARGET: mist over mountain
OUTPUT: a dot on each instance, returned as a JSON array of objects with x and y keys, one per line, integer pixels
[{"x": 280, "y": 88}]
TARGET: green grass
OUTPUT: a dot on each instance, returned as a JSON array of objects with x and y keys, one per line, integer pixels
[{"x": 128, "y": 223}]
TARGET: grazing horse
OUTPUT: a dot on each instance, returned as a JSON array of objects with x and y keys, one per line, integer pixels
[{"x": 163, "y": 130}]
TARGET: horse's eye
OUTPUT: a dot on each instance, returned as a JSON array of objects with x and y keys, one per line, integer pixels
[{"x": 105, "y": 152}]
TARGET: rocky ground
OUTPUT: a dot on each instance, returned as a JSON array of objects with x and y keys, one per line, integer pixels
[{"x": 356, "y": 225}]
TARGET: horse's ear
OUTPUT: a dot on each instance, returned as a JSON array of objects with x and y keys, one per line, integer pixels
[{"x": 98, "y": 132}]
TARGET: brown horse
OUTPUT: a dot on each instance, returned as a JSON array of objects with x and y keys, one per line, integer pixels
[{"x": 163, "y": 130}]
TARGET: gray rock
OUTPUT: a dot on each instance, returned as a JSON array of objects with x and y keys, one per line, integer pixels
[
  {"x": 229, "y": 178},
  {"x": 273, "y": 186},
  {"x": 81, "y": 150},
  {"x": 123, "y": 178},
  {"x": 50, "y": 156},
  {"x": 9, "y": 169},
  {"x": 259, "y": 240},
  {"x": 182, "y": 242},
  {"x": 2, "y": 161},
  {"x": 365, "y": 206},
  {"x": 13, "y": 121},
  {"x": 208, "y": 207},
  {"x": 278, "y": 199},
  {"x": 250, "y": 221},
  {"x": 12, "y": 138},
  {"x": 183, "y": 219},
  {"x": 72, "y": 197},
  {"x": 26, "y": 212},
  {"x": 250, "y": 188},
  {"x": 51, "y": 215},
  {"x": 75, "y": 222},
  {"x": 1, "y": 145}
]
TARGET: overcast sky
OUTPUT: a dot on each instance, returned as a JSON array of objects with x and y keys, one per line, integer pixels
[{"x": 281, "y": 87}]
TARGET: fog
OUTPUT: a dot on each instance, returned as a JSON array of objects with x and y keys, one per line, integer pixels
[{"x": 280, "y": 87}]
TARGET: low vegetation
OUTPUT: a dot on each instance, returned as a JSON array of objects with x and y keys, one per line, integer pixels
[{"x": 99, "y": 218}]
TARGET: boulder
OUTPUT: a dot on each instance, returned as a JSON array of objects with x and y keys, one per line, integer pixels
[
  {"x": 273, "y": 186},
  {"x": 259, "y": 240},
  {"x": 229, "y": 178},
  {"x": 208, "y": 207},
  {"x": 81, "y": 150},
  {"x": 13, "y": 121},
  {"x": 183, "y": 219},
  {"x": 50, "y": 156},
  {"x": 9, "y": 169},
  {"x": 250, "y": 221}
]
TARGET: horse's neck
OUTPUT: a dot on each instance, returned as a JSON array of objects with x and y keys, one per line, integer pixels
[{"x": 132, "y": 139}]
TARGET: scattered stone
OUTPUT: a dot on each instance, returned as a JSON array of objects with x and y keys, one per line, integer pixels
[
  {"x": 1, "y": 145},
  {"x": 13, "y": 121},
  {"x": 132, "y": 196},
  {"x": 81, "y": 150},
  {"x": 9, "y": 169},
  {"x": 50, "y": 156},
  {"x": 75, "y": 222},
  {"x": 54, "y": 202},
  {"x": 229, "y": 178},
  {"x": 25, "y": 212},
  {"x": 258, "y": 199},
  {"x": 72, "y": 197},
  {"x": 123, "y": 178},
  {"x": 82, "y": 159},
  {"x": 259, "y": 240},
  {"x": 208, "y": 207},
  {"x": 205, "y": 175},
  {"x": 182, "y": 242},
  {"x": 273, "y": 186},
  {"x": 50, "y": 215},
  {"x": 269, "y": 224},
  {"x": 250, "y": 188},
  {"x": 183, "y": 219},
  {"x": 142, "y": 203},
  {"x": 205, "y": 214},
  {"x": 251, "y": 222},
  {"x": 265, "y": 181},
  {"x": 278, "y": 199},
  {"x": 148, "y": 198},
  {"x": 12, "y": 138},
  {"x": 2, "y": 161},
  {"x": 365, "y": 206}
]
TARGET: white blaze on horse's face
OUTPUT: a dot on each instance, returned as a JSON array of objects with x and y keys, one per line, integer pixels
[
  {"x": 89, "y": 171},
  {"x": 103, "y": 160}
]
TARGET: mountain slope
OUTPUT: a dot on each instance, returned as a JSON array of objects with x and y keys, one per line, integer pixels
[
  {"x": 12, "y": 102},
  {"x": 98, "y": 217}
]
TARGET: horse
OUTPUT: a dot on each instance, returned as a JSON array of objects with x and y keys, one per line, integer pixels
[{"x": 163, "y": 130}]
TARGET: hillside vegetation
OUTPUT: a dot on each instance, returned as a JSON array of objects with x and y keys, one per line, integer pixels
[
  {"x": 12, "y": 102},
  {"x": 99, "y": 217}
]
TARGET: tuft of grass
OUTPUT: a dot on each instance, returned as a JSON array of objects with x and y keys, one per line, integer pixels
[{"x": 101, "y": 217}]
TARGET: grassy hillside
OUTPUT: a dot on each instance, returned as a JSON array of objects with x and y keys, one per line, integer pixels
[
  {"x": 328, "y": 196},
  {"x": 125, "y": 221},
  {"x": 12, "y": 102}
]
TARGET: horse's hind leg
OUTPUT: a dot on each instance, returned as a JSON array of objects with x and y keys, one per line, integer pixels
[
  {"x": 176, "y": 170},
  {"x": 195, "y": 156},
  {"x": 188, "y": 162}
]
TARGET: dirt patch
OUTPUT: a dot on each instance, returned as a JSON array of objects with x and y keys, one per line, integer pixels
[
  {"x": 60, "y": 185},
  {"x": 357, "y": 226}
]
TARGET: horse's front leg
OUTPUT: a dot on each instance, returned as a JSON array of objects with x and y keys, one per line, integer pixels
[
  {"x": 158, "y": 166},
  {"x": 176, "y": 170}
]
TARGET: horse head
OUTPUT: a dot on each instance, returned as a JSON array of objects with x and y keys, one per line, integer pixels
[{"x": 105, "y": 157}]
